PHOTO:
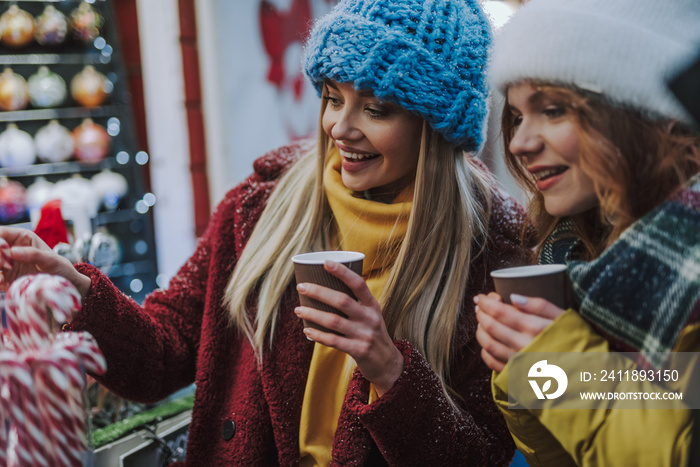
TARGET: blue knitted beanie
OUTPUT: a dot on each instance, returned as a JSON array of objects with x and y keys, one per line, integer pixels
[{"x": 428, "y": 56}]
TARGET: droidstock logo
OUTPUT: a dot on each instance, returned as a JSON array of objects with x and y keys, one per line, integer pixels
[{"x": 542, "y": 370}]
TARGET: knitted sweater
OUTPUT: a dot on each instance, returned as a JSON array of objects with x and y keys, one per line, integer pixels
[{"x": 245, "y": 414}]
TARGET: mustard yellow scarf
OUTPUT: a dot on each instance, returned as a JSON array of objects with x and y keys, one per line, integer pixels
[{"x": 371, "y": 227}]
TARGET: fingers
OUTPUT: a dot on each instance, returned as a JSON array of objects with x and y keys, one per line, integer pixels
[
  {"x": 6, "y": 261},
  {"x": 353, "y": 280},
  {"x": 495, "y": 348},
  {"x": 325, "y": 319},
  {"x": 495, "y": 296},
  {"x": 359, "y": 349},
  {"x": 334, "y": 298},
  {"x": 491, "y": 362},
  {"x": 536, "y": 306},
  {"x": 326, "y": 338},
  {"x": 31, "y": 260},
  {"x": 352, "y": 338},
  {"x": 511, "y": 317},
  {"x": 22, "y": 252},
  {"x": 12, "y": 238},
  {"x": 512, "y": 339},
  {"x": 373, "y": 350},
  {"x": 504, "y": 328},
  {"x": 16, "y": 236},
  {"x": 43, "y": 260}
]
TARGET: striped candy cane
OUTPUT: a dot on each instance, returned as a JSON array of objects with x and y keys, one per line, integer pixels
[
  {"x": 5, "y": 255},
  {"x": 5, "y": 356},
  {"x": 84, "y": 347},
  {"x": 51, "y": 364},
  {"x": 18, "y": 338},
  {"x": 43, "y": 299},
  {"x": 63, "y": 421},
  {"x": 26, "y": 442},
  {"x": 53, "y": 295}
]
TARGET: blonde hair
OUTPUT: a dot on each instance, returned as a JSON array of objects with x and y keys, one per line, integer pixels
[
  {"x": 634, "y": 161},
  {"x": 424, "y": 294}
]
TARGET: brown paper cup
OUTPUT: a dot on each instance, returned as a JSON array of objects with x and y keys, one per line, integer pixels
[
  {"x": 548, "y": 281},
  {"x": 308, "y": 267}
]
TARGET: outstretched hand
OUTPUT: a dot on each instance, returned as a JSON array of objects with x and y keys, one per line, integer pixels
[
  {"x": 364, "y": 334},
  {"x": 507, "y": 328},
  {"x": 28, "y": 254}
]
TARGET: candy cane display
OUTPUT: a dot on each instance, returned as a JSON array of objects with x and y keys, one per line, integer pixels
[
  {"x": 55, "y": 378},
  {"x": 16, "y": 332},
  {"x": 43, "y": 375},
  {"x": 5, "y": 356},
  {"x": 37, "y": 301},
  {"x": 85, "y": 347},
  {"x": 27, "y": 446},
  {"x": 53, "y": 296}
]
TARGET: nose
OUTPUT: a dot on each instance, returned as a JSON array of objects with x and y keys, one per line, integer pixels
[
  {"x": 345, "y": 127},
  {"x": 526, "y": 141}
]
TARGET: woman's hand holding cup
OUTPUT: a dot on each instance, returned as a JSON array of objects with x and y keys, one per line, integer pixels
[
  {"x": 506, "y": 328},
  {"x": 360, "y": 330}
]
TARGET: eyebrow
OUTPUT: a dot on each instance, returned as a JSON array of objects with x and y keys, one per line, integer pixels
[
  {"x": 534, "y": 99},
  {"x": 362, "y": 93}
]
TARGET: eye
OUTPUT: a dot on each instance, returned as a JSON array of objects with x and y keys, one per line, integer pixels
[
  {"x": 375, "y": 112},
  {"x": 554, "y": 111},
  {"x": 333, "y": 101},
  {"x": 516, "y": 120}
]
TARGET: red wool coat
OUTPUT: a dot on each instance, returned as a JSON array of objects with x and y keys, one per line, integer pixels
[{"x": 249, "y": 415}]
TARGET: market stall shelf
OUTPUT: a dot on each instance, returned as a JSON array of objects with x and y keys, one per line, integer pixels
[{"x": 63, "y": 67}]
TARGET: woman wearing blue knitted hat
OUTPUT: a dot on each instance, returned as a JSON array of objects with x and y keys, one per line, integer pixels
[
  {"x": 613, "y": 163},
  {"x": 404, "y": 95}
]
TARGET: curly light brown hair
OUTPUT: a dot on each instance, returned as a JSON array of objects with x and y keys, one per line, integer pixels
[{"x": 634, "y": 160}]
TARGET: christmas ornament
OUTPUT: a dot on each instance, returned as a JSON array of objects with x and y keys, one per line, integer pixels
[
  {"x": 16, "y": 147},
  {"x": 90, "y": 88},
  {"x": 79, "y": 204},
  {"x": 13, "y": 200},
  {"x": 16, "y": 27},
  {"x": 91, "y": 141},
  {"x": 85, "y": 23},
  {"x": 14, "y": 91},
  {"x": 111, "y": 187},
  {"x": 104, "y": 250},
  {"x": 46, "y": 88},
  {"x": 38, "y": 193},
  {"x": 54, "y": 142},
  {"x": 51, "y": 27}
]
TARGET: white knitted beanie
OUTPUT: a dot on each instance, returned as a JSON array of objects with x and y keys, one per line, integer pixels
[{"x": 625, "y": 50}]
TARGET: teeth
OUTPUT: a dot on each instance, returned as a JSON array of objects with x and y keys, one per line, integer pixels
[
  {"x": 546, "y": 173},
  {"x": 353, "y": 156}
]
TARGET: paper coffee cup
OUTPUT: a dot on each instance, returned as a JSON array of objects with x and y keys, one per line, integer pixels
[
  {"x": 308, "y": 267},
  {"x": 548, "y": 281}
]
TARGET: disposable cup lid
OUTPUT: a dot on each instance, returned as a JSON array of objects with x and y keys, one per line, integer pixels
[
  {"x": 528, "y": 271},
  {"x": 319, "y": 257}
]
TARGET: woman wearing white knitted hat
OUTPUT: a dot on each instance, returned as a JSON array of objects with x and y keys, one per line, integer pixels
[
  {"x": 404, "y": 93},
  {"x": 612, "y": 161}
]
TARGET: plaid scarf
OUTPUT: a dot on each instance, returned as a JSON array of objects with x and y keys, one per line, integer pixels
[
  {"x": 558, "y": 243},
  {"x": 644, "y": 288}
]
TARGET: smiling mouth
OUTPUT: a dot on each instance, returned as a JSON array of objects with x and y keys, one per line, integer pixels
[
  {"x": 351, "y": 156},
  {"x": 544, "y": 174}
]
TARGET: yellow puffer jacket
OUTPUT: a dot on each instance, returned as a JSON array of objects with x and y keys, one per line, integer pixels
[{"x": 596, "y": 437}]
